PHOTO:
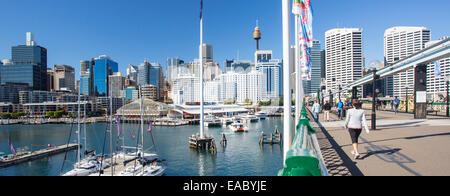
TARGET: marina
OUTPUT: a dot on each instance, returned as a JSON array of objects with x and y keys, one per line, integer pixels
[{"x": 242, "y": 155}]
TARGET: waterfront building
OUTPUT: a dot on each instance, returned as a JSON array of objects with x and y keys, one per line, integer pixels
[
  {"x": 41, "y": 109},
  {"x": 9, "y": 92},
  {"x": 344, "y": 57},
  {"x": 272, "y": 79},
  {"x": 28, "y": 65},
  {"x": 186, "y": 89},
  {"x": 36, "y": 96},
  {"x": 64, "y": 77},
  {"x": 103, "y": 66},
  {"x": 103, "y": 104},
  {"x": 401, "y": 42},
  {"x": 436, "y": 85},
  {"x": 242, "y": 87},
  {"x": 117, "y": 84}
]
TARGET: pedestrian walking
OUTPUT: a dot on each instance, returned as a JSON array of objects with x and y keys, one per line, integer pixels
[
  {"x": 316, "y": 111},
  {"x": 326, "y": 111},
  {"x": 396, "y": 104},
  {"x": 340, "y": 107},
  {"x": 356, "y": 119}
]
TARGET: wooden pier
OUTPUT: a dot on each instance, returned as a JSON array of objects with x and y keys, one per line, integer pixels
[
  {"x": 38, "y": 154},
  {"x": 273, "y": 138},
  {"x": 208, "y": 143}
]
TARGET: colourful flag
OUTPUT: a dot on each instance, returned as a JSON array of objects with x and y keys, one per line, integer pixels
[
  {"x": 119, "y": 128},
  {"x": 150, "y": 127},
  {"x": 133, "y": 136},
  {"x": 437, "y": 69},
  {"x": 11, "y": 146}
]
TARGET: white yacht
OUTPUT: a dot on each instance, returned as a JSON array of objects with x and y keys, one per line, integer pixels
[
  {"x": 261, "y": 115},
  {"x": 238, "y": 127},
  {"x": 251, "y": 118},
  {"x": 212, "y": 121}
]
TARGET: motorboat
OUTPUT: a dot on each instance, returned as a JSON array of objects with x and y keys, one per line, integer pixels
[
  {"x": 238, "y": 127},
  {"x": 226, "y": 121},
  {"x": 261, "y": 115},
  {"x": 212, "y": 121},
  {"x": 251, "y": 118}
]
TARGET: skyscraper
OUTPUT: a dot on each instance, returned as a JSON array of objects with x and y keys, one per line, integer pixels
[
  {"x": 344, "y": 57},
  {"x": 132, "y": 73},
  {"x": 400, "y": 42},
  {"x": 151, "y": 74},
  {"x": 207, "y": 53},
  {"x": 272, "y": 79},
  {"x": 117, "y": 84},
  {"x": 64, "y": 78},
  {"x": 316, "y": 68},
  {"x": 86, "y": 78},
  {"x": 103, "y": 66},
  {"x": 175, "y": 66},
  {"x": 29, "y": 66}
]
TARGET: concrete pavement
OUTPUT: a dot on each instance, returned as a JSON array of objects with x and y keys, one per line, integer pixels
[{"x": 401, "y": 146}]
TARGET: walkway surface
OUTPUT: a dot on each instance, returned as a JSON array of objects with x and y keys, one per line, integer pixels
[{"x": 401, "y": 146}]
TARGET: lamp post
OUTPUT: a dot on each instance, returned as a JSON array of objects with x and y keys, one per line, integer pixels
[
  {"x": 447, "y": 81},
  {"x": 374, "y": 99},
  {"x": 407, "y": 104}
]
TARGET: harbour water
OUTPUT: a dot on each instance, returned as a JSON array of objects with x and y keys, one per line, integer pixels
[{"x": 243, "y": 156}]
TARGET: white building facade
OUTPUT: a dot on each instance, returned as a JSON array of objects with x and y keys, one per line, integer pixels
[
  {"x": 344, "y": 57},
  {"x": 401, "y": 42}
]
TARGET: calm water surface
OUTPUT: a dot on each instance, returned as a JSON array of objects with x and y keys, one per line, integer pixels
[{"x": 243, "y": 156}]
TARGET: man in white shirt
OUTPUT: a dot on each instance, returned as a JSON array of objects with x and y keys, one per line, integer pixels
[{"x": 316, "y": 111}]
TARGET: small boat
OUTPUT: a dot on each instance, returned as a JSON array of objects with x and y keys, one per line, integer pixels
[
  {"x": 261, "y": 115},
  {"x": 212, "y": 121},
  {"x": 88, "y": 166},
  {"x": 238, "y": 127},
  {"x": 251, "y": 118}
]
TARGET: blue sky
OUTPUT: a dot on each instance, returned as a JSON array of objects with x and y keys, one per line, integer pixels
[{"x": 134, "y": 30}]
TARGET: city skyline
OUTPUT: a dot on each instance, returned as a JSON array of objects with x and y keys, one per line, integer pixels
[{"x": 84, "y": 36}]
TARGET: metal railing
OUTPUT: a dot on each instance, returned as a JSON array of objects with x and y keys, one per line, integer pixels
[{"x": 305, "y": 157}]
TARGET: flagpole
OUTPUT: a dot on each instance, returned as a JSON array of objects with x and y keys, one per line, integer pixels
[
  {"x": 297, "y": 72},
  {"x": 202, "y": 113},
  {"x": 287, "y": 143}
]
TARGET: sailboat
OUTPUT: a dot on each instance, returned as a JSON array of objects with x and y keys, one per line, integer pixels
[
  {"x": 134, "y": 160},
  {"x": 91, "y": 163}
]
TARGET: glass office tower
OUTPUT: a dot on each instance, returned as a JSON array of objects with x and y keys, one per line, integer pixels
[
  {"x": 103, "y": 67},
  {"x": 29, "y": 66}
]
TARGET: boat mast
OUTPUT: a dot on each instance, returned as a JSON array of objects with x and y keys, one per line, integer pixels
[
  {"x": 110, "y": 127},
  {"x": 84, "y": 128},
  {"x": 78, "y": 130},
  {"x": 142, "y": 120}
]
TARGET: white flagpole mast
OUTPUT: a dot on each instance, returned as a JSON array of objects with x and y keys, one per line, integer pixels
[
  {"x": 297, "y": 72},
  {"x": 287, "y": 143},
  {"x": 202, "y": 113}
]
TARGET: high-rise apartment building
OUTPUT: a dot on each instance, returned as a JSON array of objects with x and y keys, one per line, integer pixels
[
  {"x": 344, "y": 57},
  {"x": 117, "y": 84},
  {"x": 272, "y": 78},
  {"x": 401, "y": 42},
  {"x": 28, "y": 66},
  {"x": 64, "y": 78}
]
